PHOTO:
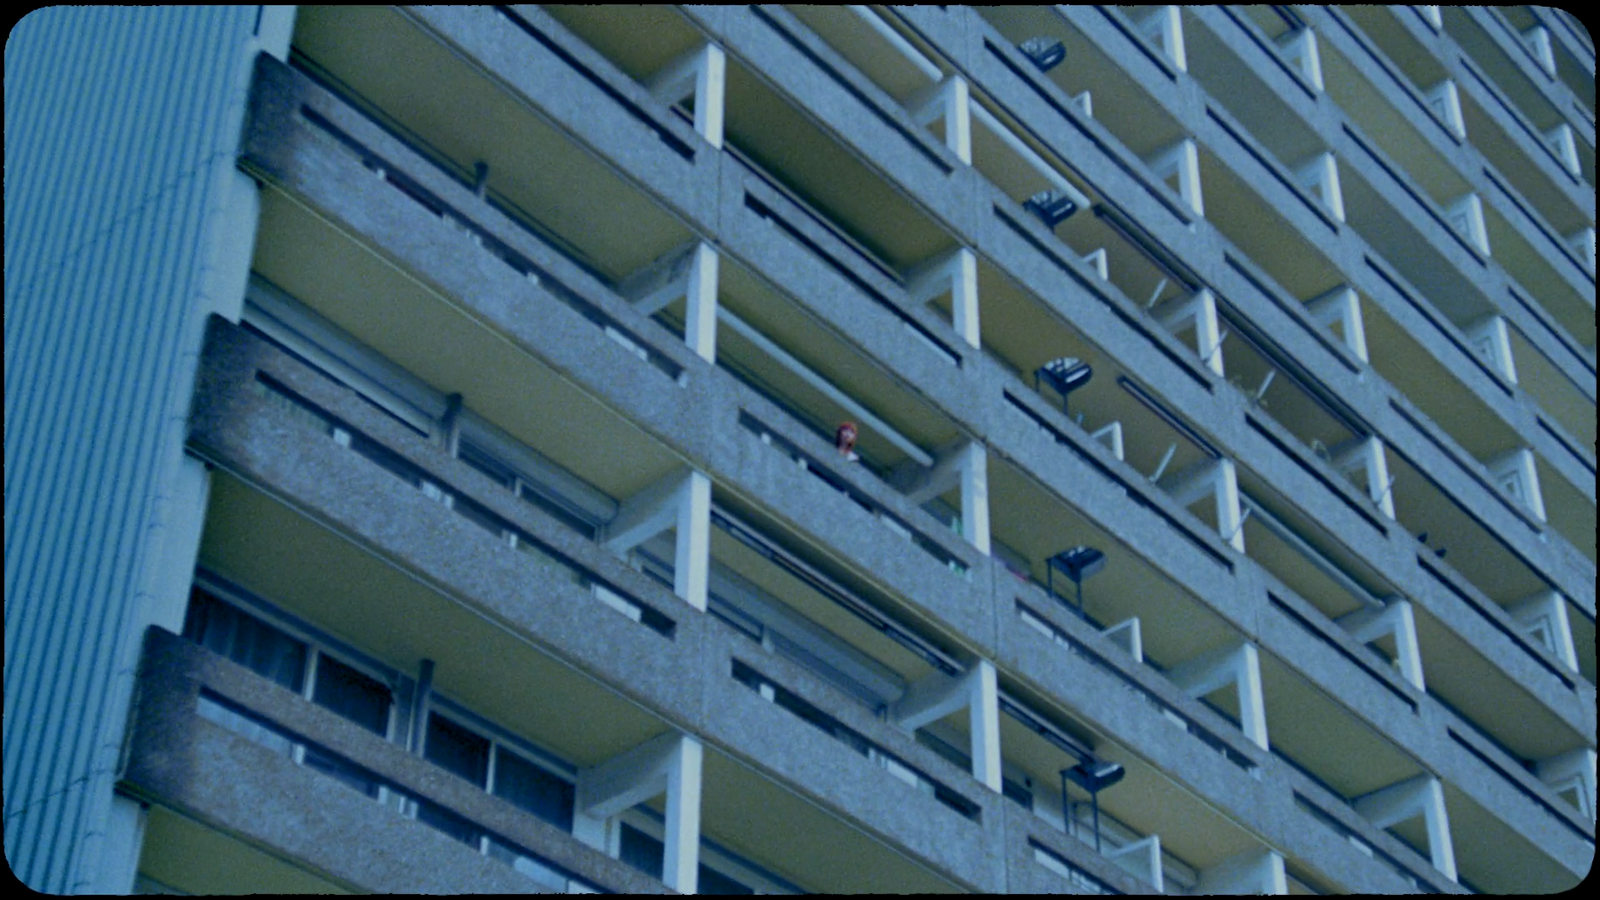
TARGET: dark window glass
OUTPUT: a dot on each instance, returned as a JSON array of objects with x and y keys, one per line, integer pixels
[
  {"x": 268, "y": 652},
  {"x": 342, "y": 771},
  {"x": 535, "y": 790},
  {"x": 351, "y": 694},
  {"x": 1017, "y": 793},
  {"x": 457, "y": 750},
  {"x": 642, "y": 851},
  {"x": 488, "y": 465},
  {"x": 448, "y": 822},
  {"x": 714, "y": 882}
]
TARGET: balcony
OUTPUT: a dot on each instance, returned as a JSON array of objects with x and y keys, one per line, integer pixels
[{"x": 203, "y": 755}]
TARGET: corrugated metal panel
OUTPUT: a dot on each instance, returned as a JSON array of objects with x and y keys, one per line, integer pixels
[{"x": 120, "y": 125}]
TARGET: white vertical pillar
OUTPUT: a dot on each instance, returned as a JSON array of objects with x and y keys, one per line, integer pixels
[
  {"x": 936, "y": 695},
  {"x": 702, "y": 74},
  {"x": 1571, "y": 771},
  {"x": 1537, "y": 40},
  {"x": 1321, "y": 177},
  {"x": 956, "y": 274},
  {"x": 692, "y": 563},
  {"x": 681, "y": 501},
  {"x": 1300, "y": 47},
  {"x": 275, "y": 30},
  {"x": 1491, "y": 341},
  {"x": 1581, "y": 242},
  {"x": 1218, "y": 479},
  {"x": 670, "y": 763},
  {"x": 1164, "y": 28},
  {"x": 1518, "y": 475},
  {"x": 1342, "y": 306},
  {"x": 1238, "y": 666},
  {"x": 975, "y": 495},
  {"x": 984, "y": 724},
  {"x": 1561, "y": 142},
  {"x": 1141, "y": 859},
  {"x": 963, "y": 464},
  {"x": 1181, "y": 161},
  {"x": 1397, "y": 620},
  {"x": 690, "y": 271},
  {"x": 1542, "y": 618},
  {"x": 680, "y": 867},
  {"x": 1366, "y": 456},
  {"x": 948, "y": 101},
  {"x": 1251, "y": 872},
  {"x": 118, "y": 866},
  {"x": 1445, "y": 100},
  {"x": 1421, "y": 795},
  {"x": 1465, "y": 215},
  {"x": 1128, "y": 635},
  {"x": 1199, "y": 310},
  {"x": 700, "y": 310}
]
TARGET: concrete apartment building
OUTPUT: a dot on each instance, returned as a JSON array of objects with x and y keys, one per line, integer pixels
[{"x": 423, "y": 471}]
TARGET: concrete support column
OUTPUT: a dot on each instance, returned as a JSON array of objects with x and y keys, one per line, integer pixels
[
  {"x": 1564, "y": 145},
  {"x": 1252, "y": 872},
  {"x": 1366, "y": 456},
  {"x": 1542, "y": 618},
  {"x": 681, "y": 501},
  {"x": 956, "y": 274},
  {"x": 1141, "y": 859},
  {"x": 1238, "y": 667},
  {"x": 1321, "y": 177},
  {"x": 1397, "y": 620},
  {"x": 1518, "y": 476},
  {"x": 124, "y": 842},
  {"x": 691, "y": 272},
  {"x": 1445, "y": 101},
  {"x": 1573, "y": 771},
  {"x": 964, "y": 464},
  {"x": 680, "y": 865},
  {"x": 1181, "y": 162},
  {"x": 671, "y": 763},
  {"x": 692, "y": 562},
  {"x": 1341, "y": 306},
  {"x": 1421, "y": 795},
  {"x": 1465, "y": 214},
  {"x": 950, "y": 101},
  {"x": 938, "y": 695},
  {"x": 1219, "y": 480},
  {"x": 1199, "y": 311},
  {"x": 1581, "y": 242},
  {"x": 1491, "y": 340},
  {"x": 1300, "y": 47},
  {"x": 1164, "y": 28},
  {"x": 702, "y": 74}
]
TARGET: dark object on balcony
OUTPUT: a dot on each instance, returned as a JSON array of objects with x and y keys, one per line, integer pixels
[
  {"x": 1052, "y": 207},
  {"x": 1043, "y": 52},
  {"x": 1077, "y": 564},
  {"x": 1066, "y": 375},
  {"x": 1094, "y": 776}
]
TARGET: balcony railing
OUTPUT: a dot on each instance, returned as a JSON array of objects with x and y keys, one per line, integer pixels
[{"x": 187, "y": 694}]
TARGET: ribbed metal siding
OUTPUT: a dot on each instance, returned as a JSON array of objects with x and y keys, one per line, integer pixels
[{"x": 119, "y": 124}]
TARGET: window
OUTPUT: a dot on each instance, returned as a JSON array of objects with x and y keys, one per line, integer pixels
[
  {"x": 227, "y": 632},
  {"x": 351, "y": 694},
  {"x": 646, "y": 853},
  {"x": 533, "y": 789},
  {"x": 287, "y": 661},
  {"x": 457, "y": 750},
  {"x": 490, "y": 765}
]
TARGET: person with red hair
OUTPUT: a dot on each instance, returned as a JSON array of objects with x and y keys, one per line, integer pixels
[{"x": 845, "y": 440}]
